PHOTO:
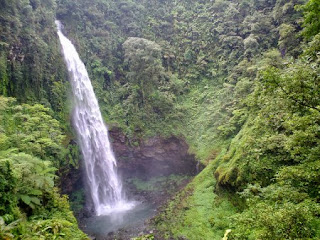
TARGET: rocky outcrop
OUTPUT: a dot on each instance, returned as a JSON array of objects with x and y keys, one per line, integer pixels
[{"x": 155, "y": 156}]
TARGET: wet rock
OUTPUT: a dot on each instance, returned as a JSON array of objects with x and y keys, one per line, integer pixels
[
  {"x": 71, "y": 181},
  {"x": 153, "y": 157}
]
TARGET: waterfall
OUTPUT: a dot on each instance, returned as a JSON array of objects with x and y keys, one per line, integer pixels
[{"x": 104, "y": 185}]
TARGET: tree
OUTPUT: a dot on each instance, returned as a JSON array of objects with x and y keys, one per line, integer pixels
[
  {"x": 31, "y": 129},
  {"x": 311, "y": 12},
  {"x": 146, "y": 73}
]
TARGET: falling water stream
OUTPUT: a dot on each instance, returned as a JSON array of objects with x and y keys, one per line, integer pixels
[{"x": 104, "y": 184}]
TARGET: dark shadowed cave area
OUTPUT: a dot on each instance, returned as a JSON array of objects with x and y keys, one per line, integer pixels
[{"x": 153, "y": 157}]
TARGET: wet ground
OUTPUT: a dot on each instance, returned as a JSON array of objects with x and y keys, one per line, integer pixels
[
  {"x": 120, "y": 225},
  {"x": 148, "y": 196}
]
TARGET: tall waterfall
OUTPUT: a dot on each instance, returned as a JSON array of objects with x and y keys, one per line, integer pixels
[{"x": 100, "y": 164}]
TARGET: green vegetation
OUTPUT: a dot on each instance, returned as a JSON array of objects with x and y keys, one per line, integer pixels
[
  {"x": 77, "y": 201},
  {"x": 31, "y": 150},
  {"x": 239, "y": 80},
  {"x": 197, "y": 212},
  {"x": 144, "y": 237},
  {"x": 271, "y": 165},
  {"x": 30, "y": 61},
  {"x": 168, "y": 184}
]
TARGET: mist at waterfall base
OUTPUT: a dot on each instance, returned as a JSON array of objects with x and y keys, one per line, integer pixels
[
  {"x": 131, "y": 221},
  {"x": 104, "y": 185}
]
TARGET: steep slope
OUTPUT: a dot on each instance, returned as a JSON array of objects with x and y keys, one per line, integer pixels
[
  {"x": 33, "y": 145},
  {"x": 30, "y": 147},
  {"x": 31, "y": 66},
  {"x": 239, "y": 80},
  {"x": 239, "y": 93},
  {"x": 270, "y": 169},
  {"x": 206, "y": 49}
]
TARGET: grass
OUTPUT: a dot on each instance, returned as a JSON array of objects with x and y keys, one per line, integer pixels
[
  {"x": 158, "y": 183},
  {"x": 196, "y": 212}
]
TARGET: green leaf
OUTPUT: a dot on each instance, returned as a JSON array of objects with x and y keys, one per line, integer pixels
[
  {"x": 35, "y": 200},
  {"x": 26, "y": 199}
]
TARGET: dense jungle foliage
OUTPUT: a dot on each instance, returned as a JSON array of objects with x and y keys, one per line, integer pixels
[
  {"x": 239, "y": 80},
  {"x": 31, "y": 148}
]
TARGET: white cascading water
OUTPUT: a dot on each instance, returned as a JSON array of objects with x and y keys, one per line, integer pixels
[{"x": 100, "y": 164}]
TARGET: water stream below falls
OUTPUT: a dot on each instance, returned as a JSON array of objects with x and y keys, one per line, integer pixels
[
  {"x": 119, "y": 225},
  {"x": 104, "y": 185}
]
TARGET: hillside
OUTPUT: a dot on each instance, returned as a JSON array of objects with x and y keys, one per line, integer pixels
[{"x": 237, "y": 80}]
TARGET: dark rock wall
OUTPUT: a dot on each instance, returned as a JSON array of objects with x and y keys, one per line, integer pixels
[{"x": 153, "y": 157}]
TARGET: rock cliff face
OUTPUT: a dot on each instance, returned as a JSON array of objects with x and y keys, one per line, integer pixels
[{"x": 153, "y": 157}]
